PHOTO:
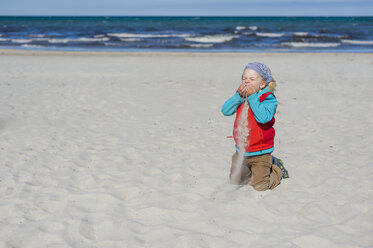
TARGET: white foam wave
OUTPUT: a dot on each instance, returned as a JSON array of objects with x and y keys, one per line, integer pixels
[
  {"x": 131, "y": 35},
  {"x": 39, "y": 39},
  {"x": 21, "y": 40},
  {"x": 82, "y": 39},
  {"x": 300, "y": 33},
  {"x": 37, "y": 35},
  {"x": 201, "y": 45},
  {"x": 130, "y": 39},
  {"x": 304, "y": 44},
  {"x": 240, "y": 27},
  {"x": 59, "y": 40},
  {"x": 320, "y": 35},
  {"x": 273, "y": 35},
  {"x": 212, "y": 38},
  {"x": 358, "y": 42},
  {"x": 31, "y": 46},
  {"x": 2, "y": 39},
  {"x": 254, "y": 28}
]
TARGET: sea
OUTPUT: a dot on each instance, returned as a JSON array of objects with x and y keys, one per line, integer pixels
[{"x": 187, "y": 34}]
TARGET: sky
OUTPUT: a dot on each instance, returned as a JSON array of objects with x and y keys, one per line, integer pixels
[{"x": 188, "y": 7}]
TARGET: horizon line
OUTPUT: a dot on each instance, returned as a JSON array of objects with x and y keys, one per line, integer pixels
[{"x": 63, "y": 15}]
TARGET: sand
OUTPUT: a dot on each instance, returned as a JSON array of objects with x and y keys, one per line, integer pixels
[{"x": 130, "y": 150}]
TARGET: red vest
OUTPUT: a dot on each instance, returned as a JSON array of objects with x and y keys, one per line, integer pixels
[{"x": 261, "y": 136}]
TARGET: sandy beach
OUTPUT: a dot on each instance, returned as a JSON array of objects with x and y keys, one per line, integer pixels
[{"x": 131, "y": 150}]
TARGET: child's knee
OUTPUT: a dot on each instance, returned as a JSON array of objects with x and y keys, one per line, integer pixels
[{"x": 266, "y": 184}]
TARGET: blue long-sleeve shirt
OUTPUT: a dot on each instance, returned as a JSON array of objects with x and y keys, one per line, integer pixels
[{"x": 263, "y": 111}]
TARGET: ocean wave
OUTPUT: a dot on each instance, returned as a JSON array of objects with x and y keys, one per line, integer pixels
[
  {"x": 59, "y": 40},
  {"x": 53, "y": 41},
  {"x": 82, "y": 39},
  {"x": 130, "y": 39},
  {"x": 112, "y": 44},
  {"x": 248, "y": 33},
  {"x": 212, "y": 38},
  {"x": 304, "y": 44},
  {"x": 21, "y": 40},
  {"x": 201, "y": 45},
  {"x": 253, "y": 28},
  {"x": 243, "y": 33},
  {"x": 338, "y": 36},
  {"x": 319, "y": 36},
  {"x": 2, "y": 39},
  {"x": 189, "y": 46},
  {"x": 31, "y": 46},
  {"x": 131, "y": 35},
  {"x": 273, "y": 35},
  {"x": 37, "y": 35},
  {"x": 300, "y": 33},
  {"x": 358, "y": 42}
]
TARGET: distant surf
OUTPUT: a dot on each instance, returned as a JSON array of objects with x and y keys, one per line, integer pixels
[{"x": 211, "y": 34}]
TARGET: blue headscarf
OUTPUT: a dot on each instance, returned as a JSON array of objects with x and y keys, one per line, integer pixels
[{"x": 261, "y": 69}]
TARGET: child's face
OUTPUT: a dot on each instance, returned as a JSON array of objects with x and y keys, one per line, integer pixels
[{"x": 251, "y": 78}]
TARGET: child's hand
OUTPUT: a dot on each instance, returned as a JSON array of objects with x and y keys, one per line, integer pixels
[
  {"x": 242, "y": 90},
  {"x": 249, "y": 90},
  {"x": 246, "y": 90}
]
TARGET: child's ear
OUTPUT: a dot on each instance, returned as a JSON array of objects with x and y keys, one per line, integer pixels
[{"x": 262, "y": 85}]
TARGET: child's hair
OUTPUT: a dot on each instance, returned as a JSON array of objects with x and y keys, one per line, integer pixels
[{"x": 272, "y": 85}]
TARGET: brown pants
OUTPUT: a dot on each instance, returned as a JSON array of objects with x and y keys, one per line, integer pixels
[{"x": 257, "y": 170}]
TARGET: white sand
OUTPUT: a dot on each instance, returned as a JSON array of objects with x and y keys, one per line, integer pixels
[{"x": 130, "y": 150}]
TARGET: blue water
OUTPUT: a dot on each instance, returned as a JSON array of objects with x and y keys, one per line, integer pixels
[{"x": 199, "y": 34}]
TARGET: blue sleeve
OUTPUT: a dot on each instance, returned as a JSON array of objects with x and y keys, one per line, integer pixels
[
  {"x": 231, "y": 105},
  {"x": 263, "y": 111}
]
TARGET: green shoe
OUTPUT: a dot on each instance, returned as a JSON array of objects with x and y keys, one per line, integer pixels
[{"x": 280, "y": 165}]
